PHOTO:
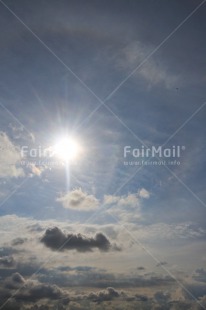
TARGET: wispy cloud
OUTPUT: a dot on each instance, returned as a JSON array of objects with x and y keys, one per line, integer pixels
[
  {"x": 129, "y": 200},
  {"x": 154, "y": 71}
]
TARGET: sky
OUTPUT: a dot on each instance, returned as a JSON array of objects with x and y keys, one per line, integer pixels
[{"x": 102, "y": 154}]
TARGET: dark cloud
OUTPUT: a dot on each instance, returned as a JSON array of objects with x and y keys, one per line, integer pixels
[
  {"x": 14, "y": 281},
  {"x": 39, "y": 293},
  {"x": 140, "y": 268},
  {"x": 34, "y": 290},
  {"x": 92, "y": 278},
  {"x": 25, "y": 268},
  {"x": 161, "y": 264},
  {"x": 11, "y": 304},
  {"x": 7, "y": 251},
  {"x": 4, "y": 295},
  {"x": 89, "y": 277},
  {"x": 196, "y": 290},
  {"x": 39, "y": 307},
  {"x": 179, "y": 305},
  {"x": 200, "y": 275},
  {"x": 141, "y": 297},
  {"x": 203, "y": 301},
  {"x": 7, "y": 261},
  {"x": 18, "y": 241},
  {"x": 110, "y": 293},
  {"x": 55, "y": 239},
  {"x": 77, "y": 268},
  {"x": 162, "y": 297}
]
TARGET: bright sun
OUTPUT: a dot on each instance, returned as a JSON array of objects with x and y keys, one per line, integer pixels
[{"x": 66, "y": 149}]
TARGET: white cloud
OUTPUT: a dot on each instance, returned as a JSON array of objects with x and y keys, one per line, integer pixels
[
  {"x": 126, "y": 208},
  {"x": 78, "y": 200},
  {"x": 130, "y": 200},
  {"x": 9, "y": 158},
  {"x": 143, "y": 193}
]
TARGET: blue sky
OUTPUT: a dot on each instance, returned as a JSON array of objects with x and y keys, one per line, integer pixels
[{"x": 110, "y": 74}]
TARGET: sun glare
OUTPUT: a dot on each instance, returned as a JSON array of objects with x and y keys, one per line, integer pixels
[{"x": 66, "y": 149}]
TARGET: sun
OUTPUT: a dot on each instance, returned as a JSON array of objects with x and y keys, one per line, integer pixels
[{"x": 66, "y": 149}]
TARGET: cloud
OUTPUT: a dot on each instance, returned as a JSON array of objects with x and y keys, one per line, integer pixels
[
  {"x": 78, "y": 200},
  {"x": 7, "y": 261},
  {"x": 108, "y": 294},
  {"x": 181, "y": 232},
  {"x": 140, "y": 268},
  {"x": 162, "y": 297},
  {"x": 123, "y": 206},
  {"x": 77, "y": 268},
  {"x": 203, "y": 301},
  {"x": 141, "y": 297},
  {"x": 7, "y": 251},
  {"x": 33, "y": 290},
  {"x": 195, "y": 289},
  {"x": 55, "y": 239},
  {"x": 18, "y": 241},
  {"x": 5, "y": 296},
  {"x": 15, "y": 281},
  {"x": 143, "y": 193},
  {"x": 161, "y": 264},
  {"x": 130, "y": 200},
  {"x": 153, "y": 71},
  {"x": 200, "y": 275},
  {"x": 9, "y": 158}
]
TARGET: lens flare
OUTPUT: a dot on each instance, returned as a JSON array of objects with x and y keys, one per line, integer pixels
[{"x": 66, "y": 149}]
